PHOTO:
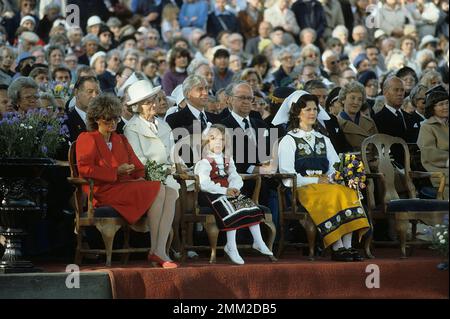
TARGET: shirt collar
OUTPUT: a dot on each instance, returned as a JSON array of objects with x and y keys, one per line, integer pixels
[
  {"x": 392, "y": 109},
  {"x": 239, "y": 119},
  {"x": 81, "y": 113},
  {"x": 420, "y": 115},
  {"x": 196, "y": 112},
  {"x": 347, "y": 117}
]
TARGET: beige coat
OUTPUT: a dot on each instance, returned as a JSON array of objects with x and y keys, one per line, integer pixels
[
  {"x": 149, "y": 146},
  {"x": 433, "y": 143},
  {"x": 356, "y": 134}
]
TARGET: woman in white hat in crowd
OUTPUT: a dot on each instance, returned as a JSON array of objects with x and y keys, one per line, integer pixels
[{"x": 151, "y": 140}]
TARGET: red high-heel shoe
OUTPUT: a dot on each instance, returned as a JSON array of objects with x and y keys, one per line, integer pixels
[{"x": 158, "y": 262}]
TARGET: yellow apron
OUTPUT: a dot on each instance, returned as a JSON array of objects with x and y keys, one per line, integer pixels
[{"x": 334, "y": 209}]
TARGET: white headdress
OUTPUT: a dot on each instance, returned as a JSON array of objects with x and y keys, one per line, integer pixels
[{"x": 282, "y": 116}]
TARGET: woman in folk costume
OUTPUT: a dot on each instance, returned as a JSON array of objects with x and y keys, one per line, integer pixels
[
  {"x": 118, "y": 175},
  {"x": 335, "y": 209},
  {"x": 151, "y": 140},
  {"x": 220, "y": 186}
]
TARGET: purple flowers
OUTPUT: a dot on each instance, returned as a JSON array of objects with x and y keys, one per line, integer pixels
[{"x": 36, "y": 133}]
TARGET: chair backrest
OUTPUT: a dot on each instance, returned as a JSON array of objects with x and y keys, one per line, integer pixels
[
  {"x": 384, "y": 164},
  {"x": 73, "y": 160}
]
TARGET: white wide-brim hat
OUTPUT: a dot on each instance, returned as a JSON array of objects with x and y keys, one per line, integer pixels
[
  {"x": 427, "y": 39},
  {"x": 140, "y": 91}
]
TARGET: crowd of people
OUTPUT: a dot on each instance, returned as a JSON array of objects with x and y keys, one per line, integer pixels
[{"x": 317, "y": 76}]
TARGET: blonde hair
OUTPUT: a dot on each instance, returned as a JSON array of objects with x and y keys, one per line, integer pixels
[{"x": 170, "y": 12}]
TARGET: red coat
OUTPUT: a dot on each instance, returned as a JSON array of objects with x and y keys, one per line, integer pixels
[{"x": 129, "y": 197}]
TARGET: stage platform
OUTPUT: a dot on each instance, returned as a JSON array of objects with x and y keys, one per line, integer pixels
[{"x": 292, "y": 277}]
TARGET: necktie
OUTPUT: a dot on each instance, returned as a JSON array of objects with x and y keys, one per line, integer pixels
[
  {"x": 400, "y": 117},
  {"x": 246, "y": 125},
  {"x": 203, "y": 121}
]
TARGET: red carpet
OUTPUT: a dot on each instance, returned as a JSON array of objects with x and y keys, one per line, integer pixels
[{"x": 291, "y": 277}]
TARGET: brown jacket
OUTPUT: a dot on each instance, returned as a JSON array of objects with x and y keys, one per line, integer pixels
[
  {"x": 248, "y": 26},
  {"x": 356, "y": 134},
  {"x": 433, "y": 143}
]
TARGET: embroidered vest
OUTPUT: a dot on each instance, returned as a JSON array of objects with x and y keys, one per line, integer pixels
[
  {"x": 215, "y": 175},
  {"x": 312, "y": 159}
]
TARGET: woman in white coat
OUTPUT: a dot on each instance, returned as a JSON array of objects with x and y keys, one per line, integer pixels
[{"x": 151, "y": 140}]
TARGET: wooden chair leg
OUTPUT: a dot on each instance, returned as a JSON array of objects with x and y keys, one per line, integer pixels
[
  {"x": 281, "y": 239},
  {"x": 78, "y": 255},
  {"x": 213, "y": 235},
  {"x": 183, "y": 242},
  {"x": 367, "y": 247},
  {"x": 401, "y": 226},
  {"x": 126, "y": 245},
  {"x": 311, "y": 235},
  {"x": 176, "y": 241},
  {"x": 108, "y": 232}
]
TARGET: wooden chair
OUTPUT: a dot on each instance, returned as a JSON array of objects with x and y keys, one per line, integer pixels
[
  {"x": 292, "y": 211},
  {"x": 204, "y": 215},
  {"x": 388, "y": 203},
  {"x": 106, "y": 219}
]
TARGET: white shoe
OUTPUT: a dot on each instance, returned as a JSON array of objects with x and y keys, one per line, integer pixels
[
  {"x": 234, "y": 255},
  {"x": 262, "y": 249}
]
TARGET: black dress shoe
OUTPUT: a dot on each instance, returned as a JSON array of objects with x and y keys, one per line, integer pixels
[
  {"x": 341, "y": 254},
  {"x": 355, "y": 254}
]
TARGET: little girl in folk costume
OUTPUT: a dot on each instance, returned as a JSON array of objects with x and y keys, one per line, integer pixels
[{"x": 220, "y": 186}]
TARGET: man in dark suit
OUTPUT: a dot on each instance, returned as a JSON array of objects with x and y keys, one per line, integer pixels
[
  {"x": 192, "y": 119},
  {"x": 250, "y": 137},
  {"x": 86, "y": 88},
  {"x": 391, "y": 119},
  {"x": 195, "y": 89}
]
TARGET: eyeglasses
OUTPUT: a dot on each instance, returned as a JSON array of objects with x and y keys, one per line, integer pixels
[
  {"x": 111, "y": 120},
  {"x": 250, "y": 99}
]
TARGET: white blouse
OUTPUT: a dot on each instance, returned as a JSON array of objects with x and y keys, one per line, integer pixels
[
  {"x": 286, "y": 155},
  {"x": 203, "y": 169}
]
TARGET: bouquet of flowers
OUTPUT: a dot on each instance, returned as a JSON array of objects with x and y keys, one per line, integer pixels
[
  {"x": 155, "y": 171},
  {"x": 33, "y": 134},
  {"x": 350, "y": 172},
  {"x": 440, "y": 239},
  {"x": 59, "y": 90}
]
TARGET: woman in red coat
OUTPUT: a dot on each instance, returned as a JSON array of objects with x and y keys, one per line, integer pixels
[{"x": 108, "y": 159}]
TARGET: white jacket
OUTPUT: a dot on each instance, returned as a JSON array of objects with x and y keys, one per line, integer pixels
[{"x": 149, "y": 146}]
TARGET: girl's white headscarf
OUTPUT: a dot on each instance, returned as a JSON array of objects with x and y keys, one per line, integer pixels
[{"x": 282, "y": 116}]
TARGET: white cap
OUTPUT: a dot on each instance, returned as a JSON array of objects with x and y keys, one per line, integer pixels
[
  {"x": 427, "y": 39},
  {"x": 177, "y": 94},
  {"x": 59, "y": 22},
  {"x": 95, "y": 57},
  {"x": 141, "y": 90},
  {"x": 378, "y": 34},
  {"x": 28, "y": 18},
  {"x": 93, "y": 21}
]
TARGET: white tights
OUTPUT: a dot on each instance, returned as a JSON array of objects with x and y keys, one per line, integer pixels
[
  {"x": 254, "y": 230},
  {"x": 345, "y": 241}
]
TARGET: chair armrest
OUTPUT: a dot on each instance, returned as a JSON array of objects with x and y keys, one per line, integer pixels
[
  {"x": 185, "y": 176},
  {"x": 77, "y": 181},
  {"x": 257, "y": 189},
  {"x": 440, "y": 175}
]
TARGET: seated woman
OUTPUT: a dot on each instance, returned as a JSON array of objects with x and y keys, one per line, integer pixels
[
  {"x": 356, "y": 126},
  {"x": 151, "y": 140},
  {"x": 335, "y": 209},
  {"x": 433, "y": 135},
  {"x": 108, "y": 159}
]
